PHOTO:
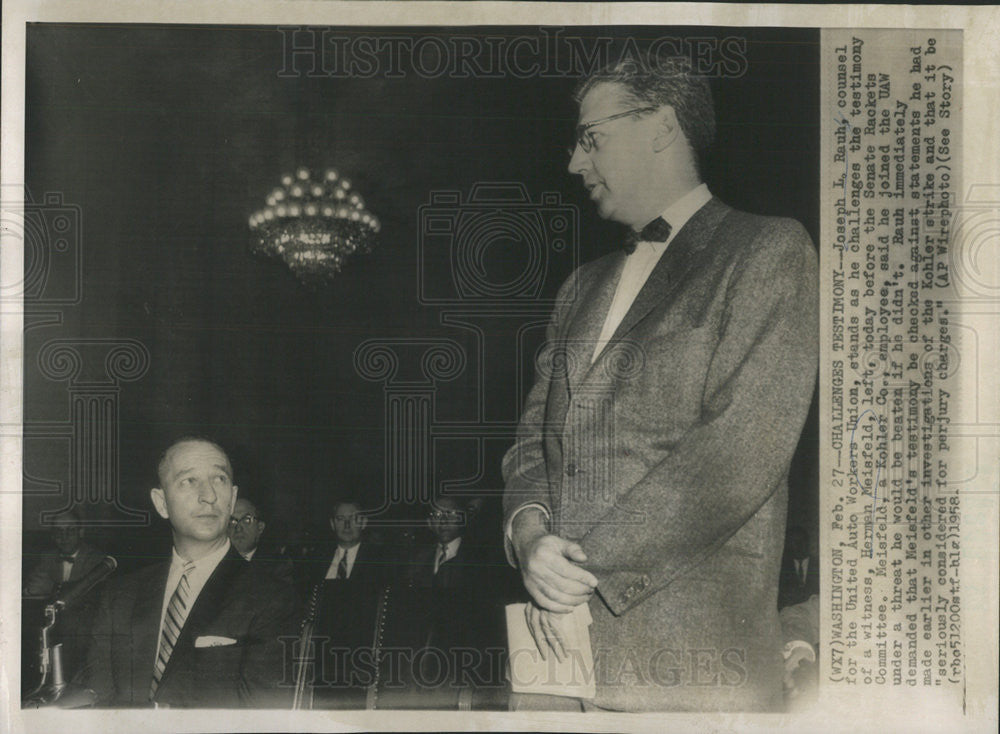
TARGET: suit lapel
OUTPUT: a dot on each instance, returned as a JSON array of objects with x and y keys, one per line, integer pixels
[
  {"x": 673, "y": 266},
  {"x": 586, "y": 324},
  {"x": 146, "y": 630},
  {"x": 206, "y": 607}
]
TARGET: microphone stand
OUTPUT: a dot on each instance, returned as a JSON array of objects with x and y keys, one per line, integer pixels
[
  {"x": 53, "y": 690},
  {"x": 48, "y": 691}
]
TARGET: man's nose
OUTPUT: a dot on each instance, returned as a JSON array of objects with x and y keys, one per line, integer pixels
[
  {"x": 206, "y": 493},
  {"x": 578, "y": 160}
]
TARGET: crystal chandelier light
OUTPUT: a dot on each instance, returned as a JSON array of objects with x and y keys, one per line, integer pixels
[{"x": 314, "y": 224}]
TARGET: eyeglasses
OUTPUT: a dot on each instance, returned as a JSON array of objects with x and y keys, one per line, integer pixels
[
  {"x": 245, "y": 521},
  {"x": 585, "y": 138},
  {"x": 445, "y": 515}
]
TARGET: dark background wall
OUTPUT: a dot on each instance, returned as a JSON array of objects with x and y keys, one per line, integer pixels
[{"x": 167, "y": 138}]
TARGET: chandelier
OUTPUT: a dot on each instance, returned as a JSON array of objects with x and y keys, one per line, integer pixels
[{"x": 314, "y": 224}]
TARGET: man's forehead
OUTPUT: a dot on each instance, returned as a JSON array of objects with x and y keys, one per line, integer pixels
[
  {"x": 188, "y": 456},
  {"x": 603, "y": 99},
  {"x": 346, "y": 508},
  {"x": 244, "y": 507}
]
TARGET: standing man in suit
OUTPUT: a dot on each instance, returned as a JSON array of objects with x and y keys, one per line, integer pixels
[
  {"x": 649, "y": 475},
  {"x": 203, "y": 628}
]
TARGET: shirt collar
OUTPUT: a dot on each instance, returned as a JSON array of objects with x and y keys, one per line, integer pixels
[
  {"x": 451, "y": 547},
  {"x": 678, "y": 213},
  {"x": 205, "y": 563}
]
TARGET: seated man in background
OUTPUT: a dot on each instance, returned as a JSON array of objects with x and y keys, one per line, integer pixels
[
  {"x": 246, "y": 528},
  {"x": 70, "y": 559},
  {"x": 799, "y": 578},
  {"x": 203, "y": 628},
  {"x": 344, "y": 601},
  {"x": 451, "y": 606},
  {"x": 55, "y": 574}
]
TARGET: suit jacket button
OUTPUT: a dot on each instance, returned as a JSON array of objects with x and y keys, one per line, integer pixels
[{"x": 571, "y": 469}]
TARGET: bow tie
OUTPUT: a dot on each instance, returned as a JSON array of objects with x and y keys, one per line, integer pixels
[{"x": 656, "y": 231}]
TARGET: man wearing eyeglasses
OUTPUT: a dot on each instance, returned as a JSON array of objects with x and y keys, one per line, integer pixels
[
  {"x": 649, "y": 477},
  {"x": 201, "y": 629},
  {"x": 246, "y": 528}
]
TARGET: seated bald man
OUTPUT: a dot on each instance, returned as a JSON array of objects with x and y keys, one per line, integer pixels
[{"x": 201, "y": 629}]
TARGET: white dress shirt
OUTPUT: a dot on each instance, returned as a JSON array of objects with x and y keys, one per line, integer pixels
[
  {"x": 634, "y": 275},
  {"x": 801, "y": 568},
  {"x": 640, "y": 263},
  {"x": 352, "y": 554},
  {"x": 67, "y": 566},
  {"x": 203, "y": 568}
]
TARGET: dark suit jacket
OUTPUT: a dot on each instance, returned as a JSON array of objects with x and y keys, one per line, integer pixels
[
  {"x": 239, "y": 601},
  {"x": 791, "y": 588},
  {"x": 272, "y": 561},
  {"x": 46, "y": 575},
  {"x": 345, "y": 627},
  {"x": 73, "y": 624},
  {"x": 667, "y": 459}
]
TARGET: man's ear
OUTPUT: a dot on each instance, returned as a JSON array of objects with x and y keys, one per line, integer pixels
[
  {"x": 262, "y": 525},
  {"x": 667, "y": 130},
  {"x": 232, "y": 504},
  {"x": 362, "y": 522},
  {"x": 333, "y": 525},
  {"x": 159, "y": 502}
]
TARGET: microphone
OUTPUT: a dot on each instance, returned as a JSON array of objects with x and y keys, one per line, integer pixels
[{"x": 95, "y": 576}]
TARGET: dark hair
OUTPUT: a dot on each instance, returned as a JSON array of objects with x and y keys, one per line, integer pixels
[
  {"x": 161, "y": 464},
  {"x": 73, "y": 514},
  {"x": 260, "y": 512},
  {"x": 346, "y": 500},
  {"x": 663, "y": 81}
]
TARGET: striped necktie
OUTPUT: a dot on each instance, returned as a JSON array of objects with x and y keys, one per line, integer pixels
[
  {"x": 173, "y": 622},
  {"x": 342, "y": 567}
]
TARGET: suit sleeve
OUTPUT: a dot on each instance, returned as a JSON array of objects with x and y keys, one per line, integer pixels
[
  {"x": 268, "y": 651},
  {"x": 524, "y": 471},
  {"x": 756, "y": 395},
  {"x": 39, "y": 581},
  {"x": 97, "y": 673}
]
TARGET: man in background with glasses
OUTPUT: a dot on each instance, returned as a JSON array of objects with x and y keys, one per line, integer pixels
[
  {"x": 649, "y": 476},
  {"x": 246, "y": 528}
]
